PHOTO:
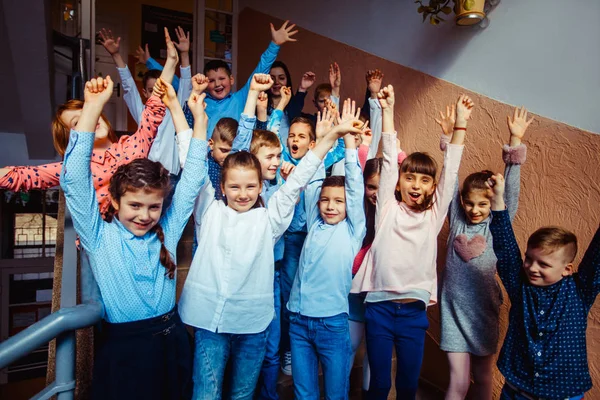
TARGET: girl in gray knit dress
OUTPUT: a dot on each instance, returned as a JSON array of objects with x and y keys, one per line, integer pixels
[{"x": 470, "y": 294}]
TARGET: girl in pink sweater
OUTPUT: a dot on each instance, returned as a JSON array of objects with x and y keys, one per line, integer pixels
[{"x": 399, "y": 272}]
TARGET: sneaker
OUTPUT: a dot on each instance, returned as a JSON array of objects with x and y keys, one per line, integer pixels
[{"x": 286, "y": 365}]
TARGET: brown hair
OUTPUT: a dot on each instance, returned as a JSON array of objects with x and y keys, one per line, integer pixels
[
  {"x": 150, "y": 74},
  {"x": 334, "y": 181},
  {"x": 323, "y": 88},
  {"x": 225, "y": 130},
  {"x": 419, "y": 163},
  {"x": 143, "y": 174},
  {"x": 553, "y": 238},
  {"x": 476, "y": 181},
  {"x": 304, "y": 120},
  {"x": 242, "y": 159},
  {"x": 262, "y": 138},
  {"x": 60, "y": 130},
  {"x": 372, "y": 168}
]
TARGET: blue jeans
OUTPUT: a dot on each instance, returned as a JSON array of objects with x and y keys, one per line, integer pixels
[
  {"x": 509, "y": 393},
  {"x": 390, "y": 324},
  {"x": 214, "y": 350},
  {"x": 291, "y": 258},
  {"x": 325, "y": 340},
  {"x": 267, "y": 385}
]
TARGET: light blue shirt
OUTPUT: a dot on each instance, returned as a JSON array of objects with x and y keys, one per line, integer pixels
[
  {"x": 324, "y": 275},
  {"x": 127, "y": 268}
]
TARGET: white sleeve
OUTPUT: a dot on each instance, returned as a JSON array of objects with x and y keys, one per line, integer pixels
[
  {"x": 183, "y": 145},
  {"x": 376, "y": 116},
  {"x": 131, "y": 95}
]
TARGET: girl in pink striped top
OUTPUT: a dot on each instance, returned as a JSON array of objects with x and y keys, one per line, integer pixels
[{"x": 399, "y": 271}]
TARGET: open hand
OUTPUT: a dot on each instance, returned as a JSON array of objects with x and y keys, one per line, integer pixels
[
  {"x": 286, "y": 169},
  {"x": 519, "y": 123},
  {"x": 308, "y": 79},
  {"x": 464, "y": 107},
  {"x": 184, "y": 40},
  {"x": 199, "y": 83},
  {"x": 283, "y": 34},
  {"x": 261, "y": 82},
  {"x": 374, "y": 78},
  {"x": 349, "y": 110},
  {"x": 142, "y": 55},
  {"x": 324, "y": 122},
  {"x": 97, "y": 91},
  {"x": 447, "y": 120},
  {"x": 351, "y": 126},
  {"x": 108, "y": 41},
  {"x": 332, "y": 107},
  {"x": 171, "y": 50},
  {"x": 386, "y": 97},
  {"x": 335, "y": 75}
]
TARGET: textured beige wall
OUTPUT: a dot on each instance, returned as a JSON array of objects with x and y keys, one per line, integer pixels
[{"x": 561, "y": 183}]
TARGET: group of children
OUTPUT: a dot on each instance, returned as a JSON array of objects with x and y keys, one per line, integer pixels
[{"x": 312, "y": 232}]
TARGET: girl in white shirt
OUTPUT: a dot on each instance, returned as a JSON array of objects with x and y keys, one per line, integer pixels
[{"x": 228, "y": 293}]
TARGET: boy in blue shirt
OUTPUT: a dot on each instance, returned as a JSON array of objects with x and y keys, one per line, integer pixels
[
  {"x": 318, "y": 304},
  {"x": 544, "y": 353}
]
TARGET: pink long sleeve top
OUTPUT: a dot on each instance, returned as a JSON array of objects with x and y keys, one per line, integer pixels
[
  {"x": 104, "y": 163},
  {"x": 402, "y": 258}
]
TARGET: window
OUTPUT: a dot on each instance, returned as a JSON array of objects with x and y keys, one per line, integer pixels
[{"x": 35, "y": 235}]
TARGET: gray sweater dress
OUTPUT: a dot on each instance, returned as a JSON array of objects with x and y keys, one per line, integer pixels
[{"x": 470, "y": 294}]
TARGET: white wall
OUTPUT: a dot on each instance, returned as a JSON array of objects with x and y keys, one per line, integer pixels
[{"x": 544, "y": 54}]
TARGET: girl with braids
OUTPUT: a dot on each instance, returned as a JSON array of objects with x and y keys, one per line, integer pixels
[{"x": 144, "y": 350}]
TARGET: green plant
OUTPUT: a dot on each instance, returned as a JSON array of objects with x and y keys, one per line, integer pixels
[{"x": 434, "y": 9}]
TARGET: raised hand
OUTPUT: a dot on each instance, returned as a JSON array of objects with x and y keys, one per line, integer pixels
[
  {"x": 332, "y": 107},
  {"x": 261, "y": 82},
  {"x": 447, "y": 120},
  {"x": 286, "y": 169},
  {"x": 324, "y": 122},
  {"x": 171, "y": 50},
  {"x": 366, "y": 134},
  {"x": 263, "y": 102},
  {"x": 464, "y": 107},
  {"x": 142, "y": 54},
  {"x": 351, "y": 126},
  {"x": 199, "y": 83},
  {"x": 308, "y": 79},
  {"x": 108, "y": 41},
  {"x": 335, "y": 78},
  {"x": 349, "y": 110},
  {"x": 386, "y": 97},
  {"x": 197, "y": 106},
  {"x": 97, "y": 91},
  {"x": 283, "y": 34},
  {"x": 184, "y": 40},
  {"x": 374, "y": 78},
  {"x": 166, "y": 92},
  {"x": 495, "y": 187},
  {"x": 286, "y": 96},
  {"x": 519, "y": 123}
]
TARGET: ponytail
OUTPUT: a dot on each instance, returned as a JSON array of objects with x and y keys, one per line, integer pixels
[{"x": 165, "y": 256}]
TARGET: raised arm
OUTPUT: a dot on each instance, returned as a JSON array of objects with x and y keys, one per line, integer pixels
[
  {"x": 389, "y": 167},
  {"x": 335, "y": 79},
  {"x": 311, "y": 197},
  {"x": 355, "y": 191},
  {"x": 166, "y": 92},
  {"x": 28, "y": 178},
  {"x": 374, "y": 79},
  {"x": 447, "y": 121},
  {"x": 76, "y": 177},
  {"x": 296, "y": 105},
  {"x": 514, "y": 155},
  {"x": 589, "y": 271}
]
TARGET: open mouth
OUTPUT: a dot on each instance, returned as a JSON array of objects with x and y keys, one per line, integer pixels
[
  {"x": 414, "y": 196},
  {"x": 294, "y": 148},
  {"x": 219, "y": 90}
]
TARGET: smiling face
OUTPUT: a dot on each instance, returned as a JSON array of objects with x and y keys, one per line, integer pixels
[
  {"x": 71, "y": 117},
  {"x": 219, "y": 83},
  {"x": 299, "y": 140},
  {"x": 270, "y": 159},
  {"x": 279, "y": 80},
  {"x": 139, "y": 210},
  {"x": 476, "y": 205},
  {"x": 544, "y": 268},
  {"x": 415, "y": 187},
  {"x": 371, "y": 188},
  {"x": 241, "y": 187},
  {"x": 332, "y": 204}
]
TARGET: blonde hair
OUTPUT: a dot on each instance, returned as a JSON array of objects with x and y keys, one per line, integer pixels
[
  {"x": 552, "y": 238},
  {"x": 262, "y": 138},
  {"x": 225, "y": 130}
]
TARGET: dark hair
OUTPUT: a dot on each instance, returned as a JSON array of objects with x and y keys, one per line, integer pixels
[
  {"x": 215, "y": 65},
  {"x": 280, "y": 64},
  {"x": 475, "y": 181},
  {"x": 372, "y": 168},
  {"x": 225, "y": 130},
  {"x": 419, "y": 163},
  {"x": 311, "y": 124},
  {"x": 242, "y": 159},
  {"x": 323, "y": 87},
  {"x": 150, "y": 74},
  {"x": 334, "y": 181},
  {"x": 553, "y": 238},
  {"x": 143, "y": 174}
]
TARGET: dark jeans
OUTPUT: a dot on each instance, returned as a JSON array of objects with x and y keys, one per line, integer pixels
[
  {"x": 402, "y": 325},
  {"x": 267, "y": 385}
]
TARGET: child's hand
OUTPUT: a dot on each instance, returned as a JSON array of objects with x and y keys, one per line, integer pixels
[
  {"x": 464, "y": 106},
  {"x": 286, "y": 96},
  {"x": 261, "y": 82},
  {"x": 184, "y": 40},
  {"x": 142, "y": 55},
  {"x": 165, "y": 92},
  {"x": 351, "y": 126},
  {"x": 308, "y": 79},
  {"x": 324, "y": 122},
  {"x": 519, "y": 124},
  {"x": 284, "y": 34},
  {"x": 261, "y": 105},
  {"x": 386, "y": 98},
  {"x": 108, "y": 41},
  {"x": 366, "y": 134},
  {"x": 199, "y": 83},
  {"x": 197, "y": 106},
  {"x": 335, "y": 76},
  {"x": 495, "y": 187},
  {"x": 349, "y": 110},
  {"x": 448, "y": 120},
  {"x": 97, "y": 91},
  {"x": 330, "y": 105},
  {"x": 171, "y": 50},
  {"x": 374, "y": 78},
  {"x": 286, "y": 169}
]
